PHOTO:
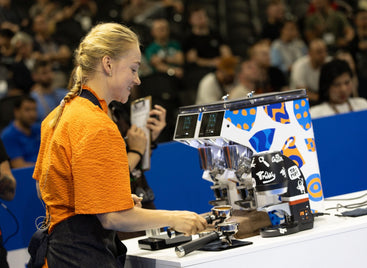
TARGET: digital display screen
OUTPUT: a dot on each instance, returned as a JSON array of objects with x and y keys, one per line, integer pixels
[
  {"x": 186, "y": 126},
  {"x": 211, "y": 124}
]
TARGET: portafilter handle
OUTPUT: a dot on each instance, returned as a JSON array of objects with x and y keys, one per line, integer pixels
[{"x": 188, "y": 247}]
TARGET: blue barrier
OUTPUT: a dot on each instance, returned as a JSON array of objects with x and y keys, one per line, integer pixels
[
  {"x": 342, "y": 152},
  {"x": 26, "y": 207},
  {"x": 175, "y": 175}
]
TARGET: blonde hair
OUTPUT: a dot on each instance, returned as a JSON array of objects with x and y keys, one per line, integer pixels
[{"x": 105, "y": 39}]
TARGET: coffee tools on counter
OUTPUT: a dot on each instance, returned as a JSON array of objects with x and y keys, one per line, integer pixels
[
  {"x": 162, "y": 241},
  {"x": 220, "y": 239}
]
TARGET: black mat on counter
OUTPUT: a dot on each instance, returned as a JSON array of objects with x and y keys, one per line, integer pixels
[{"x": 217, "y": 245}]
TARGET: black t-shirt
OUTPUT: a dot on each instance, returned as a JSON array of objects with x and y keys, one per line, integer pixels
[
  {"x": 3, "y": 154},
  {"x": 207, "y": 46}
]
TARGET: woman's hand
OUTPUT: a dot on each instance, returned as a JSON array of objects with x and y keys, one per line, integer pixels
[
  {"x": 137, "y": 200},
  {"x": 188, "y": 222},
  {"x": 136, "y": 139},
  {"x": 156, "y": 121}
]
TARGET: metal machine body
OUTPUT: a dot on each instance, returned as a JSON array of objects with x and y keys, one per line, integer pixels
[{"x": 228, "y": 134}]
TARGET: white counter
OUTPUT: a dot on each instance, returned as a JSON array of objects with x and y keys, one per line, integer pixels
[{"x": 333, "y": 242}]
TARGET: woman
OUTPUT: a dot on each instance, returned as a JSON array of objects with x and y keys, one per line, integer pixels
[
  {"x": 82, "y": 169},
  {"x": 335, "y": 91}
]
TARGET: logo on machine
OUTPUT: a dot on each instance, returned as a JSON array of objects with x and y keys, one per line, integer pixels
[
  {"x": 294, "y": 173},
  {"x": 276, "y": 158},
  {"x": 266, "y": 176}
]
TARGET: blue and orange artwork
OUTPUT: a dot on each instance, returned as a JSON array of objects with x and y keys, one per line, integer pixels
[
  {"x": 314, "y": 187},
  {"x": 310, "y": 143},
  {"x": 262, "y": 140},
  {"x": 291, "y": 151},
  {"x": 243, "y": 119},
  {"x": 301, "y": 111},
  {"x": 277, "y": 112}
]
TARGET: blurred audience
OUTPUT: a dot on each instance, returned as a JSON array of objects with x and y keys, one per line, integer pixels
[
  {"x": 47, "y": 8},
  {"x": 164, "y": 54},
  {"x": 193, "y": 31},
  {"x": 275, "y": 16},
  {"x": 46, "y": 48},
  {"x": 7, "y": 58},
  {"x": 219, "y": 83},
  {"x": 21, "y": 80},
  {"x": 328, "y": 24},
  {"x": 336, "y": 88},
  {"x": 247, "y": 79},
  {"x": 46, "y": 95},
  {"x": 286, "y": 49},
  {"x": 12, "y": 16},
  {"x": 271, "y": 78},
  {"x": 203, "y": 47},
  {"x": 347, "y": 56},
  {"x": 22, "y": 137},
  {"x": 305, "y": 71},
  {"x": 358, "y": 49}
]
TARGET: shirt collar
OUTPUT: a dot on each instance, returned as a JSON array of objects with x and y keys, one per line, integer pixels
[{"x": 101, "y": 101}]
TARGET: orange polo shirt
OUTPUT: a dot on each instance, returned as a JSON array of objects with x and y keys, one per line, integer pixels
[{"x": 82, "y": 164}]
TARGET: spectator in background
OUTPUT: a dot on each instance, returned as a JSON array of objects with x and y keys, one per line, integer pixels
[
  {"x": 305, "y": 71},
  {"x": 46, "y": 96},
  {"x": 7, "y": 192},
  {"x": 165, "y": 55},
  {"x": 47, "y": 49},
  {"x": 143, "y": 11},
  {"x": 347, "y": 56},
  {"x": 21, "y": 80},
  {"x": 328, "y": 24},
  {"x": 336, "y": 89},
  {"x": 203, "y": 48},
  {"x": 139, "y": 14},
  {"x": 22, "y": 137},
  {"x": 275, "y": 15},
  {"x": 47, "y": 8},
  {"x": 83, "y": 11},
  {"x": 271, "y": 78},
  {"x": 7, "y": 58},
  {"x": 248, "y": 78},
  {"x": 358, "y": 48},
  {"x": 285, "y": 50},
  {"x": 12, "y": 16},
  {"x": 140, "y": 11},
  {"x": 216, "y": 84},
  {"x": 136, "y": 139}
]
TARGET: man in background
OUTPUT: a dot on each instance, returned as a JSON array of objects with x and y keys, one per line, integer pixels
[
  {"x": 216, "y": 84},
  {"x": 22, "y": 136},
  {"x": 247, "y": 80},
  {"x": 305, "y": 71},
  {"x": 46, "y": 96}
]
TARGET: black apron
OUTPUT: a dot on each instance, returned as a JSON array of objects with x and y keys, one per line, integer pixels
[{"x": 79, "y": 241}]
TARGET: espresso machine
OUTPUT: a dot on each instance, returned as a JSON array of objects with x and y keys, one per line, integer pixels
[{"x": 230, "y": 134}]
